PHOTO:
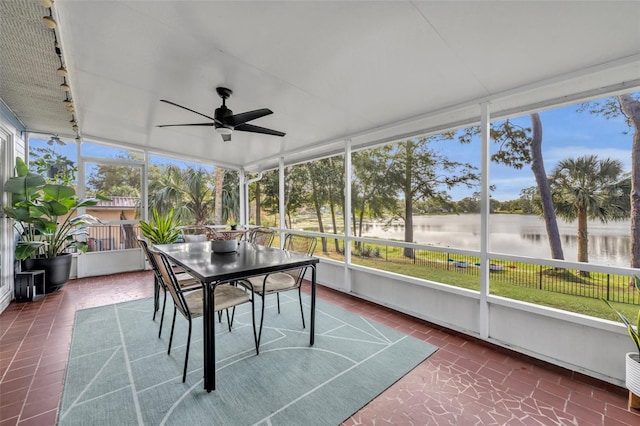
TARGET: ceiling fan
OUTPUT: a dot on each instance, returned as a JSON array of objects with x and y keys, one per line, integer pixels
[{"x": 225, "y": 121}]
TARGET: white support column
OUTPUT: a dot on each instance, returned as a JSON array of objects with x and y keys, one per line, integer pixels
[
  {"x": 242, "y": 220},
  {"x": 144, "y": 210},
  {"x": 248, "y": 182},
  {"x": 81, "y": 170},
  {"x": 281, "y": 196},
  {"x": 347, "y": 215},
  {"x": 484, "y": 220},
  {"x": 81, "y": 264}
]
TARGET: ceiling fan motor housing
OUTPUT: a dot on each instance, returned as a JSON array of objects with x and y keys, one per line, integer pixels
[{"x": 221, "y": 114}]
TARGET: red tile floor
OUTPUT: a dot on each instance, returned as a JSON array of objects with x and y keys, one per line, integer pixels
[{"x": 466, "y": 382}]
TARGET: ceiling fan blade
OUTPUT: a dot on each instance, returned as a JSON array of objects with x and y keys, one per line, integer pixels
[
  {"x": 258, "y": 129},
  {"x": 187, "y": 124},
  {"x": 243, "y": 117},
  {"x": 189, "y": 109},
  {"x": 226, "y": 138}
]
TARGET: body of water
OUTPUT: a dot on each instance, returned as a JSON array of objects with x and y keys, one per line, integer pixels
[{"x": 524, "y": 235}]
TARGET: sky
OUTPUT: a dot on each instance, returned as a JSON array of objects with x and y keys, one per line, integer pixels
[{"x": 566, "y": 133}]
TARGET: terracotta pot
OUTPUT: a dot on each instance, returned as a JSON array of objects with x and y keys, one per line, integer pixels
[{"x": 633, "y": 372}]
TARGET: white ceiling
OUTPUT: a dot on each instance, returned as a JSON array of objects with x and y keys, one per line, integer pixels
[{"x": 330, "y": 70}]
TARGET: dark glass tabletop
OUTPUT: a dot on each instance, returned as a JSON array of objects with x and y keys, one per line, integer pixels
[{"x": 249, "y": 260}]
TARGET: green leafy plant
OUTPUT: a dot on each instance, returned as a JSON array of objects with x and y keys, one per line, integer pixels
[
  {"x": 161, "y": 229},
  {"x": 631, "y": 329},
  {"x": 45, "y": 215}
]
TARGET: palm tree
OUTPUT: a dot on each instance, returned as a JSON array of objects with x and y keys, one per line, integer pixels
[
  {"x": 165, "y": 192},
  {"x": 198, "y": 193},
  {"x": 218, "y": 199},
  {"x": 187, "y": 191},
  {"x": 589, "y": 188}
]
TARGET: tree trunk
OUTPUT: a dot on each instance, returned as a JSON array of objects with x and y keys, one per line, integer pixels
[
  {"x": 332, "y": 207},
  {"x": 537, "y": 167},
  {"x": 218, "y": 200},
  {"x": 631, "y": 108},
  {"x": 318, "y": 208},
  {"x": 408, "y": 225},
  {"x": 258, "y": 204},
  {"x": 408, "y": 199},
  {"x": 583, "y": 239}
]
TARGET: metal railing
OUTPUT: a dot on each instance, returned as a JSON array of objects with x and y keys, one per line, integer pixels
[
  {"x": 462, "y": 268},
  {"x": 449, "y": 266},
  {"x": 111, "y": 237}
]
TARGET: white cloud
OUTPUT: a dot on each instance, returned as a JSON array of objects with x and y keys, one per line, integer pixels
[{"x": 555, "y": 154}]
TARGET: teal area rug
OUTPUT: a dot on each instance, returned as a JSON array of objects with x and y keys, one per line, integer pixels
[{"x": 119, "y": 372}]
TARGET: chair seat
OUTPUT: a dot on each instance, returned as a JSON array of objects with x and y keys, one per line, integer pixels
[
  {"x": 275, "y": 282},
  {"x": 186, "y": 281},
  {"x": 226, "y": 296}
]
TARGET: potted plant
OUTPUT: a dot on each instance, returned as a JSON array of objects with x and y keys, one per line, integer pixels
[
  {"x": 632, "y": 358},
  {"x": 161, "y": 229},
  {"x": 46, "y": 219}
]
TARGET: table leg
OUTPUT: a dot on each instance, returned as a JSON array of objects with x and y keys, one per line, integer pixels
[
  {"x": 209, "y": 322},
  {"x": 312, "y": 330}
]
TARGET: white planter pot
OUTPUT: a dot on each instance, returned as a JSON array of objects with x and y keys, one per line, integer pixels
[{"x": 633, "y": 372}]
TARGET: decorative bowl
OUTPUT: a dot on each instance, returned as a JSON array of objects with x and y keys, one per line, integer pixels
[{"x": 224, "y": 246}]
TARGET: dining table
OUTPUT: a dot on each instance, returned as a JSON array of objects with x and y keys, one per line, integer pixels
[{"x": 212, "y": 269}]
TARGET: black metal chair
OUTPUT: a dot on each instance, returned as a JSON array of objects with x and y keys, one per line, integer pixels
[
  {"x": 261, "y": 236},
  {"x": 190, "y": 304},
  {"x": 185, "y": 280},
  {"x": 283, "y": 281}
]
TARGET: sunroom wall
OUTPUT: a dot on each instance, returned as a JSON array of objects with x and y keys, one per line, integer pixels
[
  {"x": 12, "y": 134},
  {"x": 595, "y": 345}
]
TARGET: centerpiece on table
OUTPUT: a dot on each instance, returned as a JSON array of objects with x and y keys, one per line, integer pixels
[{"x": 223, "y": 241}]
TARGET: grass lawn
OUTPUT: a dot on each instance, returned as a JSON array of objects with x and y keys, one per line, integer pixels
[{"x": 500, "y": 284}]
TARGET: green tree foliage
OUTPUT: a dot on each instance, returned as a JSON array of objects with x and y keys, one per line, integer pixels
[
  {"x": 626, "y": 106},
  {"x": 372, "y": 186},
  {"x": 116, "y": 180},
  {"x": 230, "y": 197},
  {"x": 47, "y": 161},
  {"x": 165, "y": 192},
  {"x": 517, "y": 146},
  {"x": 589, "y": 188},
  {"x": 296, "y": 191},
  {"x": 419, "y": 172},
  {"x": 326, "y": 182},
  {"x": 269, "y": 194},
  {"x": 198, "y": 194}
]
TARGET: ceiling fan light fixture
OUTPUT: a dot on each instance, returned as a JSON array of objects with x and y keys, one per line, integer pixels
[{"x": 224, "y": 130}]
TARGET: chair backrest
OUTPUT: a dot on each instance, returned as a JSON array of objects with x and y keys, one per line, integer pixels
[
  {"x": 194, "y": 238},
  {"x": 195, "y": 233},
  {"x": 171, "y": 282},
  {"x": 301, "y": 244},
  {"x": 152, "y": 261},
  {"x": 261, "y": 236},
  {"x": 194, "y": 230}
]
